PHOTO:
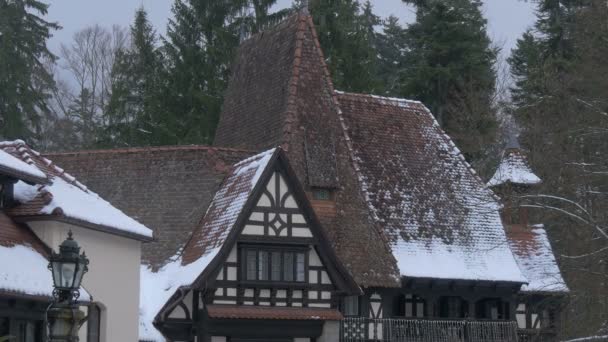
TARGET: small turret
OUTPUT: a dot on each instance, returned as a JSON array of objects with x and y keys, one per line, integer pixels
[{"x": 513, "y": 178}]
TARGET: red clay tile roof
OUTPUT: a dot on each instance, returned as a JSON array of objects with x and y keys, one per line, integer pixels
[
  {"x": 226, "y": 206},
  {"x": 282, "y": 313},
  {"x": 438, "y": 216},
  {"x": 280, "y": 94},
  {"x": 166, "y": 188},
  {"x": 12, "y": 234},
  {"x": 535, "y": 257},
  {"x": 62, "y": 197}
]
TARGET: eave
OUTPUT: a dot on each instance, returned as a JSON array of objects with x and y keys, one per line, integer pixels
[{"x": 77, "y": 222}]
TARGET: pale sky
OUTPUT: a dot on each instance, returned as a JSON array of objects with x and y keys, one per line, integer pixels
[{"x": 507, "y": 18}]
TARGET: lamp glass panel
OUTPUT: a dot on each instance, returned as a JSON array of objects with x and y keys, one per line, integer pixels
[
  {"x": 56, "y": 268},
  {"x": 68, "y": 270},
  {"x": 79, "y": 274}
]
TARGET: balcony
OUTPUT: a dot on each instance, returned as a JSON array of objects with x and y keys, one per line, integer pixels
[{"x": 419, "y": 330}]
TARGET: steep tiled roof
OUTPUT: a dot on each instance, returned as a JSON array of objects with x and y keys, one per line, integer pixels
[
  {"x": 514, "y": 168},
  {"x": 12, "y": 234},
  {"x": 280, "y": 94},
  {"x": 63, "y": 197},
  {"x": 15, "y": 167},
  {"x": 166, "y": 188},
  {"x": 258, "y": 312},
  {"x": 439, "y": 218},
  {"x": 535, "y": 257},
  {"x": 226, "y": 206}
]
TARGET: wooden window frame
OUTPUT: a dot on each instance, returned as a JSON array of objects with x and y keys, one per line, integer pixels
[{"x": 244, "y": 249}]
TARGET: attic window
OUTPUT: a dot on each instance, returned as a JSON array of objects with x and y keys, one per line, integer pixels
[
  {"x": 274, "y": 264},
  {"x": 321, "y": 194}
]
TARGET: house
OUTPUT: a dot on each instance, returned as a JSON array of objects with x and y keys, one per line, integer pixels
[
  {"x": 317, "y": 215},
  {"x": 541, "y": 300},
  {"x": 40, "y": 204}
]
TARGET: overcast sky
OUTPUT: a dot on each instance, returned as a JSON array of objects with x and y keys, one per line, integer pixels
[{"x": 507, "y": 18}]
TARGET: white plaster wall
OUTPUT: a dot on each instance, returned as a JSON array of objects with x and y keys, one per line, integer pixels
[{"x": 113, "y": 277}]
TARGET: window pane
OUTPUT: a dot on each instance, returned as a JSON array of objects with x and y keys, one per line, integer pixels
[
  {"x": 275, "y": 265},
  {"x": 288, "y": 266},
  {"x": 321, "y": 194},
  {"x": 300, "y": 267},
  {"x": 251, "y": 262},
  {"x": 351, "y": 306},
  {"x": 263, "y": 265}
]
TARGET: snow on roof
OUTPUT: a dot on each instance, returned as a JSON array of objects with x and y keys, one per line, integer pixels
[
  {"x": 439, "y": 218},
  {"x": 535, "y": 258},
  {"x": 25, "y": 271},
  {"x": 206, "y": 242},
  {"x": 67, "y": 197},
  {"x": 158, "y": 287},
  {"x": 226, "y": 206},
  {"x": 15, "y": 166},
  {"x": 514, "y": 168}
]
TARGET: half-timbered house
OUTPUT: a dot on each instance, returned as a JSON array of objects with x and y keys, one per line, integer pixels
[{"x": 318, "y": 215}]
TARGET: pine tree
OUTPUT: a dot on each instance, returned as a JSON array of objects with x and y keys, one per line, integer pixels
[
  {"x": 392, "y": 46},
  {"x": 24, "y": 81},
  {"x": 561, "y": 104},
  {"x": 134, "y": 107},
  {"x": 201, "y": 40},
  {"x": 347, "y": 38},
  {"x": 449, "y": 66}
]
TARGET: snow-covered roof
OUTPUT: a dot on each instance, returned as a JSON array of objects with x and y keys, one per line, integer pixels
[
  {"x": 437, "y": 215},
  {"x": 24, "y": 267},
  {"x": 158, "y": 287},
  {"x": 206, "y": 242},
  {"x": 64, "y": 197},
  {"x": 514, "y": 168},
  {"x": 20, "y": 169},
  {"x": 227, "y": 205},
  {"x": 535, "y": 258}
]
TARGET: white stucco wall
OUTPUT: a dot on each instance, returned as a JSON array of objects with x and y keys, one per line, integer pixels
[{"x": 113, "y": 277}]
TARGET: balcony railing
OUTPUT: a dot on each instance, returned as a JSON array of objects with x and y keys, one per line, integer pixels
[
  {"x": 417, "y": 330},
  {"x": 536, "y": 335}
]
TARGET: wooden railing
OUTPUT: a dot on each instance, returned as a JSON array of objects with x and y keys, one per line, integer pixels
[
  {"x": 536, "y": 335},
  {"x": 417, "y": 330}
]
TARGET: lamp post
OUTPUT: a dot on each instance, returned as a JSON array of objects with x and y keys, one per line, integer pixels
[{"x": 67, "y": 267}]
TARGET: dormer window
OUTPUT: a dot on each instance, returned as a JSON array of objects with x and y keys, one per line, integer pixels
[
  {"x": 321, "y": 194},
  {"x": 274, "y": 264}
]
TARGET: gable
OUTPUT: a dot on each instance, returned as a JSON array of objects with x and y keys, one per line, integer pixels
[
  {"x": 276, "y": 213},
  {"x": 278, "y": 229},
  {"x": 258, "y": 192}
]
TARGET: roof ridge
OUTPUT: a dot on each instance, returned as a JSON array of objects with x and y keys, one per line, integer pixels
[
  {"x": 150, "y": 149},
  {"x": 379, "y": 97}
]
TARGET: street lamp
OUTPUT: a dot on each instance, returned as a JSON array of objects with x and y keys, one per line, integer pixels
[{"x": 67, "y": 267}]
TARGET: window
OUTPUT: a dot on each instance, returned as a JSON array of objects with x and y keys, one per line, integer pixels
[
  {"x": 414, "y": 306},
  {"x": 28, "y": 331},
  {"x": 492, "y": 308},
  {"x": 320, "y": 194},
  {"x": 274, "y": 264},
  {"x": 4, "y": 326},
  {"x": 351, "y": 306},
  {"x": 452, "y": 307}
]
